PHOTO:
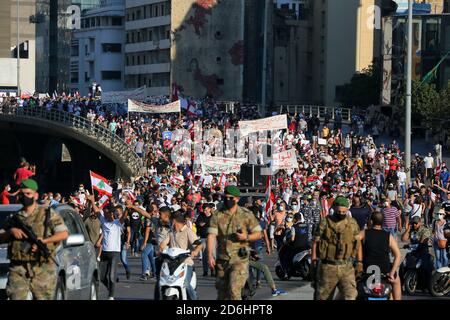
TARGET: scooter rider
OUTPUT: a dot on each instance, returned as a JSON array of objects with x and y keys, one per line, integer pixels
[
  {"x": 296, "y": 241},
  {"x": 183, "y": 237},
  {"x": 420, "y": 235}
]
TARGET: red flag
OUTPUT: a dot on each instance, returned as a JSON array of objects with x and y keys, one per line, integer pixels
[
  {"x": 270, "y": 197},
  {"x": 103, "y": 201},
  {"x": 223, "y": 181}
]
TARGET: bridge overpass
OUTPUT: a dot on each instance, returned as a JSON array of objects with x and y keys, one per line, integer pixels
[{"x": 65, "y": 124}]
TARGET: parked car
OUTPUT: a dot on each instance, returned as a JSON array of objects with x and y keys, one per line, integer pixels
[{"x": 78, "y": 273}]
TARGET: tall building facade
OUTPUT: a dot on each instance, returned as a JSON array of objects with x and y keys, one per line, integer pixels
[
  {"x": 345, "y": 40},
  {"x": 9, "y": 37},
  {"x": 53, "y": 38},
  {"x": 97, "y": 49},
  {"x": 147, "y": 45}
]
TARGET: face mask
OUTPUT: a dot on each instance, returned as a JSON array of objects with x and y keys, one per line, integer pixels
[
  {"x": 386, "y": 204},
  {"x": 340, "y": 216},
  {"x": 295, "y": 207},
  {"x": 26, "y": 201},
  {"x": 441, "y": 217},
  {"x": 289, "y": 219},
  {"x": 8, "y": 188},
  {"x": 229, "y": 203},
  {"x": 81, "y": 188},
  {"x": 280, "y": 208}
]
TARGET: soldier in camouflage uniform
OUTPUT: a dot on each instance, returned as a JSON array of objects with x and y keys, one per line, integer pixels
[
  {"x": 233, "y": 228},
  {"x": 28, "y": 270},
  {"x": 337, "y": 244},
  {"x": 312, "y": 214}
]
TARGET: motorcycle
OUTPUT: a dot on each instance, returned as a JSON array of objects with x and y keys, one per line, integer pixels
[
  {"x": 300, "y": 266},
  {"x": 370, "y": 290},
  {"x": 440, "y": 282},
  {"x": 413, "y": 270},
  {"x": 173, "y": 274}
]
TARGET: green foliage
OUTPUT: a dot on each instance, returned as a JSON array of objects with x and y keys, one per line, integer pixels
[{"x": 364, "y": 88}]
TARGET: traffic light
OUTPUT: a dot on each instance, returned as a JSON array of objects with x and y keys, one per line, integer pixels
[{"x": 388, "y": 7}]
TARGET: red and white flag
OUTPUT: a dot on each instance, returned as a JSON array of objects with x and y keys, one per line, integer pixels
[
  {"x": 223, "y": 182},
  {"x": 100, "y": 184},
  {"x": 270, "y": 197},
  {"x": 103, "y": 201},
  {"x": 130, "y": 195}
]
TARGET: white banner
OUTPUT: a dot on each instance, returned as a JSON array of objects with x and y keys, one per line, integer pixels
[
  {"x": 284, "y": 160},
  {"x": 272, "y": 123},
  {"x": 322, "y": 142},
  {"x": 123, "y": 96},
  {"x": 218, "y": 165},
  {"x": 135, "y": 106}
]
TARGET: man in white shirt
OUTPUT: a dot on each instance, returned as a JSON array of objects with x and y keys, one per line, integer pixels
[
  {"x": 429, "y": 165},
  {"x": 402, "y": 182},
  {"x": 112, "y": 220}
]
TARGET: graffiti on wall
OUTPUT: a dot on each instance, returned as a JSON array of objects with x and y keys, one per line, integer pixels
[{"x": 201, "y": 9}]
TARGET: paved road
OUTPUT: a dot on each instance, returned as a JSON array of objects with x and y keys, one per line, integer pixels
[{"x": 134, "y": 289}]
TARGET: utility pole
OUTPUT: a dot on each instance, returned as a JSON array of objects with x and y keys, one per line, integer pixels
[
  {"x": 18, "y": 49},
  {"x": 264, "y": 66},
  {"x": 408, "y": 95}
]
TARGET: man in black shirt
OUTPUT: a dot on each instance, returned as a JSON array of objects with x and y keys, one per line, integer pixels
[
  {"x": 125, "y": 245},
  {"x": 360, "y": 212},
  {"x": 136, "y": 226},
  {"x": 202, "y": 224}
]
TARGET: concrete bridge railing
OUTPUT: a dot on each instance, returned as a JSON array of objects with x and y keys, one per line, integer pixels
[{"x": 81, "y": 129}]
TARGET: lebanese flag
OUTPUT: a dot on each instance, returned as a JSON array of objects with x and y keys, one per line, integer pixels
[
  {"x": 270, "y": 197},
  {"x": 103, "y": 201},
  {"x": 223, "y": 181},
  {"x": 100, "y": 184},
  {"x": 175, "y": 92},
  {"x": 130, "y": 195},
  {"x": 192, "y": 109},
  {"x": 176, "y": 181}
]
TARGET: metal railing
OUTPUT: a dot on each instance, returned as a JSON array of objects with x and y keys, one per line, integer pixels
[
  {"x": 319, "y": 111},
  {"x": 81, "y": 125}
]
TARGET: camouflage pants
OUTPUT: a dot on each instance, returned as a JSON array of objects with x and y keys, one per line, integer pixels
[
  {"x": 340, "y": 276},
  {"x": 40, "y": 280},
  {"x": 230, "y": 279}
]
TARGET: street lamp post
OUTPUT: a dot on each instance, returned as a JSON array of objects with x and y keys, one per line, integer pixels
[
  {"x": 18, "y": 49},
  {"x": 408, "y": 95}
]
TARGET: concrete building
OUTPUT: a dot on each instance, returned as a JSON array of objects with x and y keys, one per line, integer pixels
[
  {"x": 97, "y": 49},
  {"x": 53, "y": 36},
  {"x": 344, "y": 40},
  {"x": 8, "y": 47},
  {"x": 292, "y": 52},
  {"x": 207, "y": 49},
  {"x": 147, "y": 45}
]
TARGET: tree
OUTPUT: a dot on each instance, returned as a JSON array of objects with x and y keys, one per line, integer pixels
[{"x": 364, "y": 88}]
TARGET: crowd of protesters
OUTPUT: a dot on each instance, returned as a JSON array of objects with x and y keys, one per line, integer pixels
[{"x": 332, "y": 160}]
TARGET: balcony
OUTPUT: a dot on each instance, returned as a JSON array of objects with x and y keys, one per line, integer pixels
[
  {"x": 147, "y": 23},
  {"x": 147, "y": 46},
  {"x": 148, "y": 68}
]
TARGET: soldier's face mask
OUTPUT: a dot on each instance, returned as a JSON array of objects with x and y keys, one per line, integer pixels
[
  {"x": 26, "y": 201},
  {"x": 229, "y": 202},
  {"x": 341, "y": 212}
]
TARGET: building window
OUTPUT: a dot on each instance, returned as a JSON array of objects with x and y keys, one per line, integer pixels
[
  {"x": 138, "y": 60},
  {"x": 128, "y": 38},
  {"x": 111, "y": 75},
  {"x": 112, "y": 47},
  {"x": 74, "y": 50},
  {"x": 86, "y": 50},
  {"x": 74, "y": 77},
  {"x": 86, "y": 77},
  {"x": 116, "y": 21}
]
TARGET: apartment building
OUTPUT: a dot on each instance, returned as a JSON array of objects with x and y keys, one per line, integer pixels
[{"x": 147, "y": 45}]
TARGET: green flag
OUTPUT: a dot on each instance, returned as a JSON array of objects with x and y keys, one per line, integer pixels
[{"x": 432, "y": 75}]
